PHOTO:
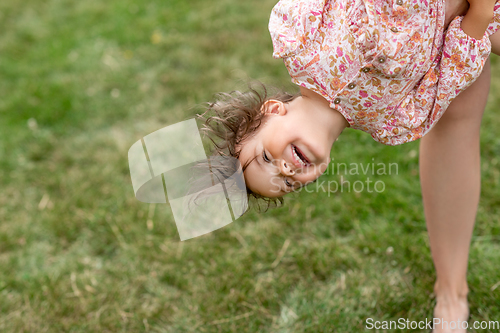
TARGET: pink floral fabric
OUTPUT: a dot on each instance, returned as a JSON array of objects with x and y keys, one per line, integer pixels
[{"x": 388, "y": 66}]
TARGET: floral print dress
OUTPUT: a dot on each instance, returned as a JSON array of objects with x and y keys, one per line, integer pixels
[{"x": 388, "y": 66}]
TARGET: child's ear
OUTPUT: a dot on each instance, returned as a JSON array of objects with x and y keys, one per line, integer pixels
[{"x": 274, "y": 107}]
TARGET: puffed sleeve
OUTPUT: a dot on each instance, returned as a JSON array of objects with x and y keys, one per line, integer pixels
[
  {"x": 495, "y": 23},
  {"x": 293, "y": 23},
  {"x": 460, "y": 64}
]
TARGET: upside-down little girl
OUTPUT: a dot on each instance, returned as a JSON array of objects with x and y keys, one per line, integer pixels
[{"x": 390, "y": 68}]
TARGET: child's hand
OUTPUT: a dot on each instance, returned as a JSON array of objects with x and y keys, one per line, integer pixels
[
  {"x": 478, "y": 17},
  {"x": 486, "y": 7}
]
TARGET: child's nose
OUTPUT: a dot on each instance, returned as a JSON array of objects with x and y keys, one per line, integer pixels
[{"x": 285, "y": 168}]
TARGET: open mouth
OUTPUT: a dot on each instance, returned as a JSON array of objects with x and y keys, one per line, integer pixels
[{"x": 300, "y": 156}]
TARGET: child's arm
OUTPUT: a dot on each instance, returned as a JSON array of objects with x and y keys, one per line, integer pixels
[
  {"x": 454, "y": 68},
  {"x": 478, "y": 17}
]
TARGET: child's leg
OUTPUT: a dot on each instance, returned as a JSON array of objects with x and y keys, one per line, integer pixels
[{"x": 450, "y": 180}]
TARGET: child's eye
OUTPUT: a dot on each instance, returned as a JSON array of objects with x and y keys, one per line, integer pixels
[
  {"x": 288, "y": 184},
  {"x": 264, "y": 156}
]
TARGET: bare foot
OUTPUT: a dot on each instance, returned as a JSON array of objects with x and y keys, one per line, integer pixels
[
  {"x": 451, "y": 316},
  {"x": 451, "y": 312}
]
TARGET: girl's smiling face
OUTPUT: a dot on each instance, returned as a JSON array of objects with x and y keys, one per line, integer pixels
[{"x": 290, "y": 150}]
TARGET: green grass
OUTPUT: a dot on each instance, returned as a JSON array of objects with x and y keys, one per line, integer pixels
[{"x": 78, "y": 253}]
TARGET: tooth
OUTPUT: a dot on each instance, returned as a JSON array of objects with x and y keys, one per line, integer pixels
[{"x": 298, "y": 158}]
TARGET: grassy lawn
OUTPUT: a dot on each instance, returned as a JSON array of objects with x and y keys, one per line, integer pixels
[{"x": 80, "y": 82}]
